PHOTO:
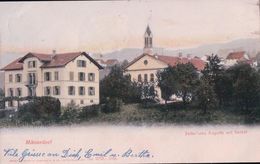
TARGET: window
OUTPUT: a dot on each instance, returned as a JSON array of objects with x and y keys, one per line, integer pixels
[
  {"x": 91, "y": 91},
  {"x": 18, "y": 78},
  {"x": 81, "y": 101},
  {"x": 32, "y": 78},
  {"x": 71, "y": 90},
  {"x": 56, "y": 75},
  {"x": 145, "y": 62},
  {"x": 10, "y": 78},
  {"x": 10, "y": 92},
  {"x": 91, "y": 101},
  {"x": 81, "y": 63},
  {"x": 152, "y": 77},
  {"x": 81, "y": 76},
  {"x": 19, "y": 92},
  {"x": 81, "y": 90},
  {"x": 10, "y": 103},
  {"x": 91, "y": 77},
  {"x": 47, "y": 76},
  {"x": 30, "y": 92},
  {"x": 47, "y": 91},
  {"x": 56, "y": 90},
  {"x": 71, "y": 76},
  {"x": 32, "y": 64},
  {"x": 145, "y": 78},
  {"x": 139, "y": 78}
]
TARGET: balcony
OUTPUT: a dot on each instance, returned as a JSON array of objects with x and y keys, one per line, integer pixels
[{"x": 31, "y": 83}]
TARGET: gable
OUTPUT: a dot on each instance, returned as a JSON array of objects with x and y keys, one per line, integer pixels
[
  {"x": 90, "y": 63},
  {"x": 146, "y": 62}
]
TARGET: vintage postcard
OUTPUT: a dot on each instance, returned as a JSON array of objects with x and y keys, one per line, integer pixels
[{"x": 137, "y": 81}]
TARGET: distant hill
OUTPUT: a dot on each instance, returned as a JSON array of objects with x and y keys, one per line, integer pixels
[{"x": 252, "y": 46}]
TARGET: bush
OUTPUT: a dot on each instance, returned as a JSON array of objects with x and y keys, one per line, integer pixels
[
  {"x": 112, "y": 105},
  {"x": 88, "y": 112},
  {"x": 70, "y": 114},
  {"x": 45, "y": 109}
]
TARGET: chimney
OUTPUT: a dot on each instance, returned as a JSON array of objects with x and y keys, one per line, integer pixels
[{"x": 53, "y": 54}]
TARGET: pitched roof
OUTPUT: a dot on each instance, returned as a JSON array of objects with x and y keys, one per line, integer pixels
[
  {"x": 15, "y": 65},
  {"x": 136, "y": 59},
  {"x": 173, "y": 60},
  {"x": 50, "y": 60},
  {"x": 41, "y": 57},
  {"x": 236, "y": 55},
  {"x": 61, "y": 59}
]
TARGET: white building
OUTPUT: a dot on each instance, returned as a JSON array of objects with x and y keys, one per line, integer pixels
[
  {"x": 71, "y": 77},
  {"x": 145, "y": 67},
  {"x": 235, "y": 57}
]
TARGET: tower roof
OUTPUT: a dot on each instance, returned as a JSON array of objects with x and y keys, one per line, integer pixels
[{"x": 148, "y": 30}]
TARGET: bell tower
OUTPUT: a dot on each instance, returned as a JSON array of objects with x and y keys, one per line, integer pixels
[{"x": 148, "y": 41}]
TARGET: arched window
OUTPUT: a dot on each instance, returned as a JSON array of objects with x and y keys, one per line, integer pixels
[
  {"x": 139, "y": 78},
  {"x": 152, "y": 77},
  {"x": 145, "y": 78}
]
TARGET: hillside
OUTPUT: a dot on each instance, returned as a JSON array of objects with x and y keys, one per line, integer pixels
[{"x": 222, "y": 49}]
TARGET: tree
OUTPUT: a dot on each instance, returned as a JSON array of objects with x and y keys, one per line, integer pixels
[
  {"x": 44, "y": 109},
  {"x": 187, "y": 78},
  {"x": 245, "y": 81},
  {"x": 213, "y": 71},
  {"x": 224, "y": 89},
  {"x": 148, "y": 92},
  {"x": 205, "y": 95},
  {"x": 134, "y": 93},
  {"x": 167, "y": 82},
  {"x": 117, "y": 85},
  {"x": 124, "y": 64}
]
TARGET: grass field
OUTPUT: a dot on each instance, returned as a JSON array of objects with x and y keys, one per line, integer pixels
[{"x": 136, "y": 114}]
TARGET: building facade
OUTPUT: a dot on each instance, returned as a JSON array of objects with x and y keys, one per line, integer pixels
[
  {"x": 240, "y": 57},
  {"x": 70, "y": 77},
  {"x": 145, "y": 67}
]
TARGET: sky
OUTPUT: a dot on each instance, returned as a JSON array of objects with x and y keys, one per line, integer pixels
[{"x": 105, "y": 26}]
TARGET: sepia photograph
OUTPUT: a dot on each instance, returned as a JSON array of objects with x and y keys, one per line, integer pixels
[{"x": 131, "y": 81}]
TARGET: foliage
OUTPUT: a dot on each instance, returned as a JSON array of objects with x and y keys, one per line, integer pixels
[
  {"x": 213, "y": 69},
  {"x": 246, "y": 88},
  {"x": 205, "y": 95},
  {"x": 89, "y": 112},
  {"x": 187, "y": 78},
  {"x": 112, "y": 105},
  {"x": 214, "y": 73},
  {"x": 179, "y": 80},
  {"x": 148, "y": 92},
  {"x": 71, "y": 113},
  {"x": 224, "y": 89},
  {"x": 134, "y": 93},
  {"x": 45, "y": 109},
  {"x": 167, "y": 82},
  {"x": 117, "y": 85}
]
